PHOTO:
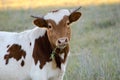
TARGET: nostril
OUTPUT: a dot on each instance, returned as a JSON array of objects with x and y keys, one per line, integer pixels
[
  {"x": 59, "y": 41},
  {"x": 66, "y": 40}
]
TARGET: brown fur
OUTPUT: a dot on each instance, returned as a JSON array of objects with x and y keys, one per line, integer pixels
[
  {"x": 58, "y": 59},
  {"x": 30, "y": 43},
  {"x": 55, "y": 11},
  {"x": 43, "y": 50},
  {"x": 22, "y": 63},
  {"x": 8, "y": 46},
  {"x": 58, "y": 30},
  {"x": 15, "y": 52}
]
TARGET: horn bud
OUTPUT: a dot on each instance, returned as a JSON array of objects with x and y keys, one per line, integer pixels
[
  {"x": 34, "y": 16},
  {"x": 76, "y": 9}
]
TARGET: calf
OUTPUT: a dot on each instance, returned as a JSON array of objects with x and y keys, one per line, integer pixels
[{"x": 40, "y": 53}]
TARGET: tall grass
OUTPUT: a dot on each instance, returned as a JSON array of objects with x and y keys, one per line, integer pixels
[
  {"x": 95, "y": 44},
  {"x": 97, "y": 41}
]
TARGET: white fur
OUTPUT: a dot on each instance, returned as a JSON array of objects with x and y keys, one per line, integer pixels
[
  {"x": 13, "y": 70},
  {"x": 57, "y": 16}
]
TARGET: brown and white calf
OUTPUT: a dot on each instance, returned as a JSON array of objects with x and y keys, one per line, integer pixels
[{"x": 40, "y": 53}]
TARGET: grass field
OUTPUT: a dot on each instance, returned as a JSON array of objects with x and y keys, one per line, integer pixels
[
  {"x": 26, "y": 4},
  {"x": 95, "y": 44}
]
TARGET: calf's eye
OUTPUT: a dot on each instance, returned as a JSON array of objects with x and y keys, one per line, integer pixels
[
  {"x": 67, "y": 22},
  {"x": 49, "y": 25}
]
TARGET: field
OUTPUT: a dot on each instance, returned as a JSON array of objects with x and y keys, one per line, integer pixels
[
  {"x": 95, "y": 43},
  {"x": 26, "y": 4}
]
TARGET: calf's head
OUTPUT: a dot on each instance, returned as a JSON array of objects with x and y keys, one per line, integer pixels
[{"x": 58, "y": 26}]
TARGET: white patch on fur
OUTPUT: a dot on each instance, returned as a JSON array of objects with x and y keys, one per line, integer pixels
[
  {"x": 62, "y": 55},
  {"x": 37, "y": 32},
  {"x": 58, "y": 15},
  {"x": 13, "y": 69}
]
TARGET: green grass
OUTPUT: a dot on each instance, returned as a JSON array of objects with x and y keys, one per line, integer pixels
[{"x": 95, "y": 44}]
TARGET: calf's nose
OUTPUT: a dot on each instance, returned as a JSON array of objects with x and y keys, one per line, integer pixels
[{"x": 62, "y": 42}]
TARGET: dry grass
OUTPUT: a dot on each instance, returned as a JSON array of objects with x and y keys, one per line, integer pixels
[{"x": 26, "y": 4}]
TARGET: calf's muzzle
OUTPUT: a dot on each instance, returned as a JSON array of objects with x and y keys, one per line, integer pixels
[{"x": 62, "y": 42}]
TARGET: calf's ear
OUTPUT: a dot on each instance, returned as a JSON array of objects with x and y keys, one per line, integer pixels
[
  {"x": 74, "y": 16},
  {"x": 40, "y": 22}
]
